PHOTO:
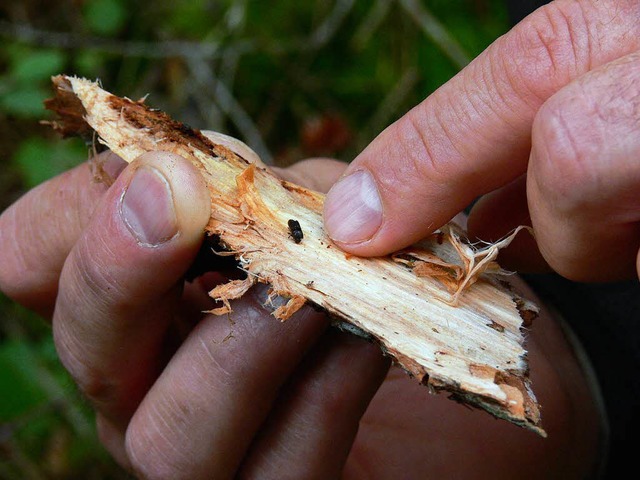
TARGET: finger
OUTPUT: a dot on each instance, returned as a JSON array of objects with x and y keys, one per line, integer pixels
[
  {"x": 317, "y": 174},
  {"x": 473, "y": 134},
  {"x": 584, "y": 174},
  {"x": 121, "y": 282},
  {"x": 497, "y": 214},
  {"x": 39, "y": 230},
  {"x": 316, "y": 419},
  {"x": 236, "y": 146},
  {"x": 203, "y": 411},
  {"x": 111, "y": 437}
]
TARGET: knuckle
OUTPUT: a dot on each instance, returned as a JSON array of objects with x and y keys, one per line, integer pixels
[
  {"x": 555, "y": 43},
  {"x": 98, "y": 280},
  {"x": 565, "y": 145},
  {"x": 435, "y": 163},
  {"x": 584, "y": 130},
  {"x": 616, "y": 94},
  {"x": 98, "y": 390},
  {"x": 420, "y": 163},
  {"x": 80, "y": 346}
]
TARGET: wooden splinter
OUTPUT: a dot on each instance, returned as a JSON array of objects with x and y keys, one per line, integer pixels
[{"x": 439, "y": 308}]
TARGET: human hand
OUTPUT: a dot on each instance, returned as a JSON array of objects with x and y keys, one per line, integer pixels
[
  {"x": 178, "y": 393},
  {"x": 543, "y": 124}
]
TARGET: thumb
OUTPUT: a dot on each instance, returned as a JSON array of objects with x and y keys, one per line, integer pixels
[{"x": 121, "y": 282}]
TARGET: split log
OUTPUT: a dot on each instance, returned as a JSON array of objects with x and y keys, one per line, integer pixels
[{"x": 440, "y": 309}]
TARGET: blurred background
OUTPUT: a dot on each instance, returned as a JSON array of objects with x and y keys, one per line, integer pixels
[{"x": 292, "y": 79}]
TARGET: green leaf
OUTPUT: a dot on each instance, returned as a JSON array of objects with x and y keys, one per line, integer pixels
[
  {"x": 105, "y": 17},
  {"x": 37, "y": 65},
  {"x": 88, "y": 64},
  {"x": 24, "y": 101},
  {"x": 188, "y": 19},
  {"x": 39, "y": 159},
  {"x": 20, "y": 392}
]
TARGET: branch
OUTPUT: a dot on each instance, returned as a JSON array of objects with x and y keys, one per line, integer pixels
[
  {"x": 437, "y": 308},
  {"x": 203, "y": 75},
  {"x": 129, "y": 48},
  {"x": 371, "y": 22},
  {"x": 328, "y": 28},
  {"x": 389, "y": 105},
  {"x": 433, "y": 29}
]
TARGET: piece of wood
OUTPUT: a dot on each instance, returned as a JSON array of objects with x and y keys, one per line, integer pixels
[{"x": 439, "y": 309}]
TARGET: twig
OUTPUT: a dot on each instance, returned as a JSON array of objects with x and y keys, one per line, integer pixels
[
  {"x": 236, "y": 17},
  {"x": 212, "y": 118},
  {"x": 69, "y": 40},
  {"x": 433, "y": 29},
  {"x": 389, "y": 105},
  {"x": 410, "y": 302},
  {"x": 328, "y": 28},
  {"x": 371, "y": 22},
  {"x": 203, "y": 74},
  {"x": 266, "y": 121}
]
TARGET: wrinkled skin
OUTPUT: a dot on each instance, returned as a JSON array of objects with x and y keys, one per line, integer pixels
[
  {"x": 181, "y": 394},
  {"x": 543, "y": 124}
]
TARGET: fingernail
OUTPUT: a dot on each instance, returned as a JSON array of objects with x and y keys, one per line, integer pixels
[
  {"x": 353, "y": 209},
  {"x": 147, "y": 207}
]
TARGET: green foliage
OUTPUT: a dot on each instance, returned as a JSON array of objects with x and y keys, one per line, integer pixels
[
  {"x": 39, "y": 159},
  {"x": 191, "y": 19},
  {"x": 24, "y": 85},
  {"x": 23, "y": 101},
  {"x": 105, "y": 17},
  {"x": 36, "y": 65},
  {"x": 16, "y": 379},
  {"x": 43, "y": 422},
  {"x": 88, "y": 64}
]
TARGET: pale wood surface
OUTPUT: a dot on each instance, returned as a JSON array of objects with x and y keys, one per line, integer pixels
[{"x": 441, "y": 309}]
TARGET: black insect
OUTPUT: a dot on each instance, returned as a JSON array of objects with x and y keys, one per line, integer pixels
[{"x": 295, "y": 231}]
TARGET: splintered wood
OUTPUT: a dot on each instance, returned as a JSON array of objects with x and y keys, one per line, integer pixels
[{"x": 437, "y": 308}]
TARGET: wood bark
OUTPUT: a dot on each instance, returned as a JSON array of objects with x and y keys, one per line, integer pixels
[{"x": 441, "y": 309}]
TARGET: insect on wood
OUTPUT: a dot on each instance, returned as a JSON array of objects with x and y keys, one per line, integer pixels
[{"x": 295, "y": 231}]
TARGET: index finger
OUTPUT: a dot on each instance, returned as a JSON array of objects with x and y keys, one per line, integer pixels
[{"x": 473, "y": 134}]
